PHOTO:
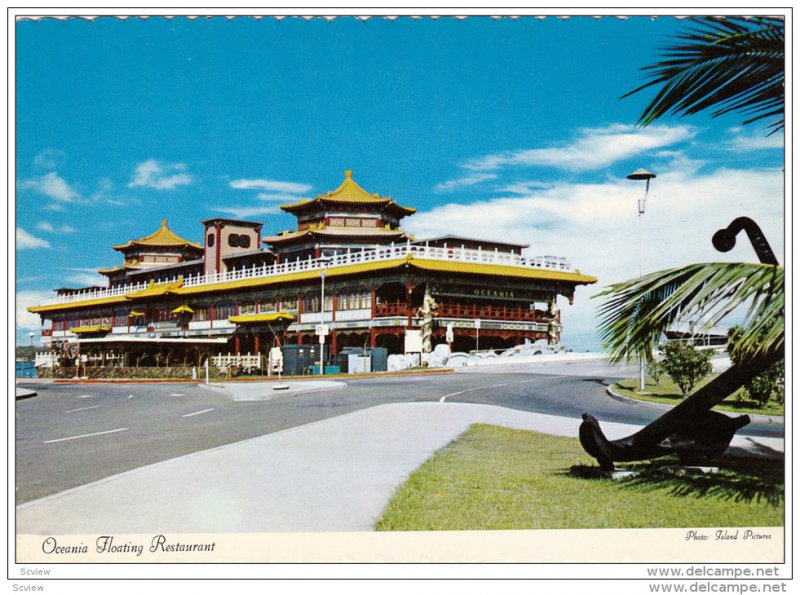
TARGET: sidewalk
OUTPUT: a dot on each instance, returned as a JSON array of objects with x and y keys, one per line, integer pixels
[{"x": 333, "y": 475}]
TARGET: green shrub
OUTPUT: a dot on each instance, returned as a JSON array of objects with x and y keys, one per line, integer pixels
[
  {"x": 768, "y": 384},
  {"x": 685, "y": 365}
]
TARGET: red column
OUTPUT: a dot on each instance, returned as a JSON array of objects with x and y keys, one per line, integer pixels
[
  {"x": 334, "y": 351},
  {"x": 373, "y": 336},
  {"x": 299, "y": 338},
  {"x": 255, "y": 343},
  {"x": 372, "y": 303},
  {"x": 236, "y": 344}
]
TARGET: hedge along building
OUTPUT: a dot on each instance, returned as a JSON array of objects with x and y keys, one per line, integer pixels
[{"x": 171, "y": 297}]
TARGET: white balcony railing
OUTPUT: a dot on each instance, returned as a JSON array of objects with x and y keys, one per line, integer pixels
[{"x": 376, "y": 254}]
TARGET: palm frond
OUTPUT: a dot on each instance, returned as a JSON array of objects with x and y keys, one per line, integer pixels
[
  {"x": 636, "y": 313},
  {"x": 725, "y": 64}
]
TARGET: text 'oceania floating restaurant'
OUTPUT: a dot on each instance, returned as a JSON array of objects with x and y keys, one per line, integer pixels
[{"x": 348, "y": 271}]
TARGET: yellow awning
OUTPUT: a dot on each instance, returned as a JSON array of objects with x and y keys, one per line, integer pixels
[
  {"x": 136, "y": 313},
  {"x": 183, "y": 310},
  {"x": 87, "y": 330},
  {"x": 267, "y": 317}
]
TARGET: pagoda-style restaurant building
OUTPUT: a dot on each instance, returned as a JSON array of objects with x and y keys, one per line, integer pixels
[{"x": 240, "y": 292}]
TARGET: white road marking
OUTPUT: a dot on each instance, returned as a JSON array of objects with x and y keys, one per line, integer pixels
[
  {"x": 82, "y": 409},
  {"x": 176, "y": 395},
  {"x": 86, "y": 396},
  {"x": 130, "y": 396},
  {"x": 198, "y": 412},
  {"x": 84, "y": 436},
  {"x": 468, "y": 390}
]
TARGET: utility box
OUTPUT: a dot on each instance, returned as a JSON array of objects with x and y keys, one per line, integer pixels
[
  {"x": 378, "y": 357},
  {"x": 358, "y": 364},
  {"x": 299, "y": 360}
]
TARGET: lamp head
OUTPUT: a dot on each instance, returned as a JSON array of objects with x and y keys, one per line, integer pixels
[{"x": 641, "y": 174}]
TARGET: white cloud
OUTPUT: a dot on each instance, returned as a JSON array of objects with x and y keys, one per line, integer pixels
[
  {"x": 524, "y": 187},
  {"x": 87, "y": 279},
  {"x": 464, "y": 182},
  {"x": 53, "y": 186},
  {"x": 26, "y": 320},
  {"x": 755, "y": 141},
  {"x": 596, "y": 227},
  {"x": 277, "y": 197},
  {"x": 160, "y": 176},
  {"x": 49, "y": 159},
  {"x": 50, "y": 228},
  {"x": 246, "y": 212},
  {"x": 27, "y": 241},
  {"x": 271, "y": 186},
  {"x": 594, "y": 148}
]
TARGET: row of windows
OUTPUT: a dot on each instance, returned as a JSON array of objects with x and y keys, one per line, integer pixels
[
  {"x": 342, "y": 222},
  {"x": 354, "y": 222},
  {"x": 350, "y": 300},
  {"x": 234, "y": 240}
]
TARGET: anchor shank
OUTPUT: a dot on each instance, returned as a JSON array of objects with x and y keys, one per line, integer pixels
[{"x": 706, "y": 397}]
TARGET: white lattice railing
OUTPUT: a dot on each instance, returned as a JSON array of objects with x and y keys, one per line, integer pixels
[
  {"x": 376, "y": 254},
  {"x": 225, "y": 362}
]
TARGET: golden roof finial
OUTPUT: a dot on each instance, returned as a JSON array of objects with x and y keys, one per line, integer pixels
[
  {"x": 163, "y": 223},
  {"x": 348, "y": 174}
]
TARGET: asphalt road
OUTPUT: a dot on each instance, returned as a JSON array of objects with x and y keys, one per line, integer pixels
[{"x": 72, "y": 434}]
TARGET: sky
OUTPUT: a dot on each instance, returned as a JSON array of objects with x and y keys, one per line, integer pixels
[{"x": 504, "y": 129}]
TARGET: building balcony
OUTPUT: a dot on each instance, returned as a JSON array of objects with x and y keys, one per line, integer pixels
[
  {"x": 467, "y": 311},
  {"x": 378, "y": 254}
]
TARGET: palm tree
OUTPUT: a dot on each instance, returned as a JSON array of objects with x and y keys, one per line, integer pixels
[{"x": 725, "y": 64}]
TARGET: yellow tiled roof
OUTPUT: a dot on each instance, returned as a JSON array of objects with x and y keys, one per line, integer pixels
[
  {"x": 353, "y": 269},
  {"x": 82, "y": 304},
  {"x": 163, "y": 236},
  {"x": 504, "y": 270},
  {"x": 156, "y": 290},
  {"x": 349, "y": 192},
  {"x": 335, "y": 232},
  {"x": 266, "y": 317}
]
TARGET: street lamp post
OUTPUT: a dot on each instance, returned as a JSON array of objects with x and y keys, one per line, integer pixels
[
  {"x": 323, "y": 260},
  {"x": 31, "y": 335},
  {"x": 642, "y": 174}
]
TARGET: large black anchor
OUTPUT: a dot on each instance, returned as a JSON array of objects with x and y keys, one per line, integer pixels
[{"x": 690, "y": 430}]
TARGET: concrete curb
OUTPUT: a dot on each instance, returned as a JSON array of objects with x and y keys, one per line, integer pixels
[
  {"x": 766, "y": 419},
  {"x": 264, "y": 391},
  {"x": 24, "y": 393},
  {"x": 242, "y": 380}
]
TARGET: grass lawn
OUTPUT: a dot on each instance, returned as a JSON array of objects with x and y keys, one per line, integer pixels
[
  {"x": 497, "y": 478},
  {"x": 668, "y": 393}
]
